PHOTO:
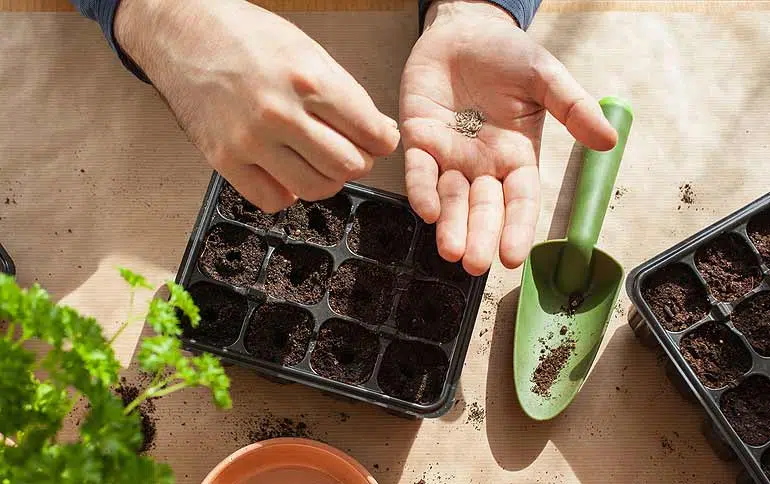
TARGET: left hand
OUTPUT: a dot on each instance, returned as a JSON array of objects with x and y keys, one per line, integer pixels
[{"x": 484, "y": 192}]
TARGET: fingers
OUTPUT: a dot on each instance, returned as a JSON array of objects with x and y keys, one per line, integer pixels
[
  {"x": 347, "y": 107},
  {"x": 421, "y": 184},
  {"x": 258, "y": 187},
  {"x": 294, "y": 172},
  {"x": 485, "y": 220},
  {"x": 330, "y": 153},
  {"x": 521, "y": 189},
  {"x": 568, "y": 102},
  {"x": 452, "y": 225}
]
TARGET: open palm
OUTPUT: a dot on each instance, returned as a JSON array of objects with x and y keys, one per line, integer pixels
[{"x": 483, "y": 189}]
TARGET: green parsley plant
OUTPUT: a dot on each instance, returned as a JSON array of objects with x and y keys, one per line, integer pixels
[{"x": 79, "y": 362}]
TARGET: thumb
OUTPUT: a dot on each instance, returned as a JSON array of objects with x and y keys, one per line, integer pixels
[{"x": 567, "y": 101}]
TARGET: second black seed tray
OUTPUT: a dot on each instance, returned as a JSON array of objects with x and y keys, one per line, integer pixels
[
  {"x": 707, "y": 301},
  {"x": 347, "y": 295}
]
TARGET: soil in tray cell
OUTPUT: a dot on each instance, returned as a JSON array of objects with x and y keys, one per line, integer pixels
[
  {"x": 716, "y": 354},
  {"x": 752, "y": 318},
  {"x": 299, "y": 273},
  {"x": 431, "y": 311},
  {"x": 747, "y": 408},
  {"x": 413, "y": 371},
  {"x": 362, "y": 290},
  {"x": 222, "y": 313},
  {"x": 279, "y": 333},
  {"x": 345, "y": 352},
  {"x": 320, "y": 222},
  {"x": 728, "y": 266},
  {"x": 759, "y": 232},
  {"x": 381, "y": 232},
  {"x": 432, "y": 264},
  {"x": 676, "y": 297},
  {"x": 233, "y": 206},
  {"x": 766, "y": 463},
  {"x": 233, "y": 255}
]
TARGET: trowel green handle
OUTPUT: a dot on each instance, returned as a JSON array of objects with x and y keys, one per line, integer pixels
[{"x": 592, "y": 197}]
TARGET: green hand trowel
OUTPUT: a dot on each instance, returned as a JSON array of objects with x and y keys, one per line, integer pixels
[{"x": 569, "y": 288}]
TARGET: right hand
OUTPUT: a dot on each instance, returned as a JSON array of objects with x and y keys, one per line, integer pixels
[{"x": 268, "y": 107}]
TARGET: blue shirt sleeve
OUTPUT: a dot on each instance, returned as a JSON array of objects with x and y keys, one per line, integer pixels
[
  {"x": 522, "y": 10},
  {"x": 103, "y": 12}
]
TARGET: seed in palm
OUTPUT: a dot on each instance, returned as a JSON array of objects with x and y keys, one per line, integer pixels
[{"x": 468, "y": 122}]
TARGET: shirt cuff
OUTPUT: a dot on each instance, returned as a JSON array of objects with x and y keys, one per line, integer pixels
[
  {"x": 522, "y": 10},
  {"x": 103, "y": 12}
]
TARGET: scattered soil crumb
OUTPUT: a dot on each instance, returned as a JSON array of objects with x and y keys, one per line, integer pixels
[
  {"x": 668, "y": 447},
  {"x": 483, "y": 332},
  {"x": 468, "y": 122},
  {"x": 476, "y": 415},
  {"x": 563, "y": 330},
  {"x": 421, "y": 481},
  {"x": 686, "y": 194},
  {"x": 128, "y": 393},
  {"x": 269, "y": 426},
  {"x": 551, "y": 364},
  {"x": 573, "y": 305},
  {"x": 620, "y": 192}
]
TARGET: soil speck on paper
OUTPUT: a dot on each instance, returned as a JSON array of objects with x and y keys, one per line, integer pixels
[
  {"x": 128, "y": 393},
  {"x": 468, "y": 122},
  {"x": 476, "y": 415},
  {"x": 686, "y": 194},
  {"x": 269, "y": 426},
  {"x": 551, "y": 365}
]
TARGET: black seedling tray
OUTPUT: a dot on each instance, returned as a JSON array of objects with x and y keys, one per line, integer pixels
[
  {"x": 6, "y": 263},
  {"x": 381, "y": 338},
  {"x": 711, "y": 330}
]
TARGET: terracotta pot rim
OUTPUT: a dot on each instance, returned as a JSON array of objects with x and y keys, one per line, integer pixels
[{"x": 244, "y": 451}]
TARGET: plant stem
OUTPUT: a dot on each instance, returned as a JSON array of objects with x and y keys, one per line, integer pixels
[
  {"x": 152, "y": 391},
  {"x": 171, "y": 389},
  {"x": 11, "y": 330}
]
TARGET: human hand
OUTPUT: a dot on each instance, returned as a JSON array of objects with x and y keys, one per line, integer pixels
[
  {"x": 267, "y": 106},
  {"x": 482, "y": 186}
]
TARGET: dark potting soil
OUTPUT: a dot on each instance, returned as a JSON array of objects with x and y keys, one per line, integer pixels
[
  {"x": 551, "y": 364},
  {"x": 759, "y": 232},
  {"x": 728, "y": 266},
  {"x": 574, "y": 302},
  {"x": 752, "y": 318},
  {"x": 716, "y": 354},
  {"x": 381, "y": 232},
  {"x": 747, "y": 408},
  {"x": 222, "y": 313},
  {"x": 676, "y": 297},
  {"x": 269, "y": 427},
  {"x": 345, "y": 352},
  {"x": 299, "y": 273},
  {"x": 432, "y": 264},
  {"x": 431, "y": 311},
  {"x": 362, "y": 290},
  {"x": 279, "y": 333},
  {"x": 233, "y": 206},
  {"x": 232, "y": 254},
  {"x": 128, "y": 393},
  {"x": 321, "y": 222},
  {"x": 413, "y": 371}
]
